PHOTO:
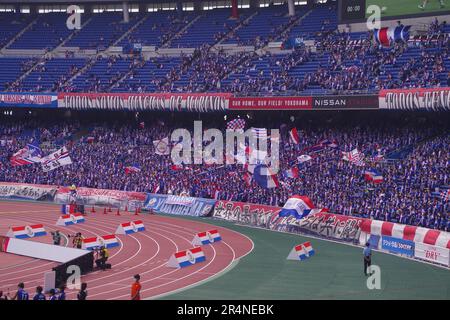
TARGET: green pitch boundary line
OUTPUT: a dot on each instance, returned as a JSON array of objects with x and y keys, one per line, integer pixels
[{"x": 230, "y": 267}]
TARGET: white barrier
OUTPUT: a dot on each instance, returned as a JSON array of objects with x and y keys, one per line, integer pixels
[{"x": 432, "y": 253}]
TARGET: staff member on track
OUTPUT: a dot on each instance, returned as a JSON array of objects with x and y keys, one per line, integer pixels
[
  {"x": 136, "y": 288},
  {"x": 367, "y": 257}
]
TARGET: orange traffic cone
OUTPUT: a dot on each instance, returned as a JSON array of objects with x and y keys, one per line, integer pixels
[
  {"x": 136, "y": 212},
  {"x": 117, "y": 213},
  {"x": 93, "y": 209},
  {"x": 126, "y": 208},
  {"x": 109, "y": 210},
  {"x": 104, "y": 211}
]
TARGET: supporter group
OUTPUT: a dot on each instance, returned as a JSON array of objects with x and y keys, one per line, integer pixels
[{"x": 411, "y": 155}]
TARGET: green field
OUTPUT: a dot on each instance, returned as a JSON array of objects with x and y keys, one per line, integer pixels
[
  {"x": 406, "y": 7},
  {"x": 336, "y": 272}
]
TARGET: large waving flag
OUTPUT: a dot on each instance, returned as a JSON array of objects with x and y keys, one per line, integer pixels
[
  {"x": 28, "y": 155},
  {"x": 304, "y": 158},
  {"x": 297, "y": 206},
  {"x": 373, "y": 175},
  {"x": 356, "y": 157},
  {"x": 132, "y": 169},
  {"x": 292, "y": 173},
  {"x": 236, "y": 124},
  {"x": 264, "y": 177},
  {"x": 387, "y": 36},
  {"x": 293, "y": 136},
  {"x": 56, "y": 159}
]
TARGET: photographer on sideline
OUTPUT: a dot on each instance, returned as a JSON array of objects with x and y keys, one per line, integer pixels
[{"x": 56, "y": 238}]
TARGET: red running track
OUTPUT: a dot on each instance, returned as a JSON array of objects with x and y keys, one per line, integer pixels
[{"x": 145, "y": 252}]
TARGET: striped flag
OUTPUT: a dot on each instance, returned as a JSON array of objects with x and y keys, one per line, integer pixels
[
  {"x": 260, "y": 133},
  {"x": 132, "y": 169},
  {"x": 293, "y": 135}
]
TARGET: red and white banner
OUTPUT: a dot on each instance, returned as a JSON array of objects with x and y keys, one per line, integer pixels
[
  {"x": 406, "y": 232},
  {"x": 101, "y": 197},
  {"x": 415, "y": 99},
  {"x": 432, "y": 253},
  {"x": 198, "y": 102},
  {"x": 271, "y": 103}
]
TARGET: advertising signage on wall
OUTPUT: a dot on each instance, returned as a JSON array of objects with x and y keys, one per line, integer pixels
[
  {"x": 398, "y": 246},
  {"x": 341, "y": 102},
  {"x": 357, "y": 102}
]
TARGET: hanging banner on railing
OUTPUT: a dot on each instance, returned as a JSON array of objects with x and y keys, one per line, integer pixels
[
  {"x": 246, "y": 213},
  {"x": 198, "y": 102},
  {"x": 28, "y": 100},
  {"x": 328, "y": 225},
  {"x": 431, "y": 99}
]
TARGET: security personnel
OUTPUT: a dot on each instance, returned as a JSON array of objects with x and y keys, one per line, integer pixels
[
  {"x": 56, "y": 238},
  {"x": 367, "y": 252}
]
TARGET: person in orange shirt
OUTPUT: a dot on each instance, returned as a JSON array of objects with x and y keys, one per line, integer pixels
[{"x": 136, "y": 288}]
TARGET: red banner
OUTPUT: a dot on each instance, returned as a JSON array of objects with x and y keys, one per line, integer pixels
[
  {"x": 198, "y": 102},
  {"x": 271, "y": 103},
  {"x": 415, "y": 99}
]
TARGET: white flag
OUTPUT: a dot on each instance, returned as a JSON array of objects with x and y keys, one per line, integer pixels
[
  {"x": 162, "y": 146},
  {"x": 56, "y": 159},
  {"x": 304, "y": 158}
]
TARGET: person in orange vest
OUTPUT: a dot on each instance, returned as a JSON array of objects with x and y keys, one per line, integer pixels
[{"x": 136, "y": 288}]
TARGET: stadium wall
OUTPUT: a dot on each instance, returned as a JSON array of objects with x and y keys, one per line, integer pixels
[
  {"x": 404, "y": 240},
  {"x": 430, "y": 99}
]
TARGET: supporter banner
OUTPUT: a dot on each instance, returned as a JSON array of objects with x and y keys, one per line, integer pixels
[
  {"x": 27, "y": 192},
  {"x": 180, "y": 200},
  {"x": 197, "y": 102},
  {"x": 199, "y": 207},
  {"x": 246, "y": 213},
  {"x": 432, "y": 253},
  {"x": 102, "y": 197},
  {"x": 357, "y": 102},
  {"x": 154, "y": 202},
  {"x": 270, "y": 103},
  {"x": 433, "y": 99},
  {"x": 328, "y": 225},
  {"x": 28, "y": 100},
  {"x": 398, "y": 246}
]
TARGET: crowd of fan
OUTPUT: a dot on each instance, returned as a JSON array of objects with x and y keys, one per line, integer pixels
[{"x": 406, "y": 194}]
